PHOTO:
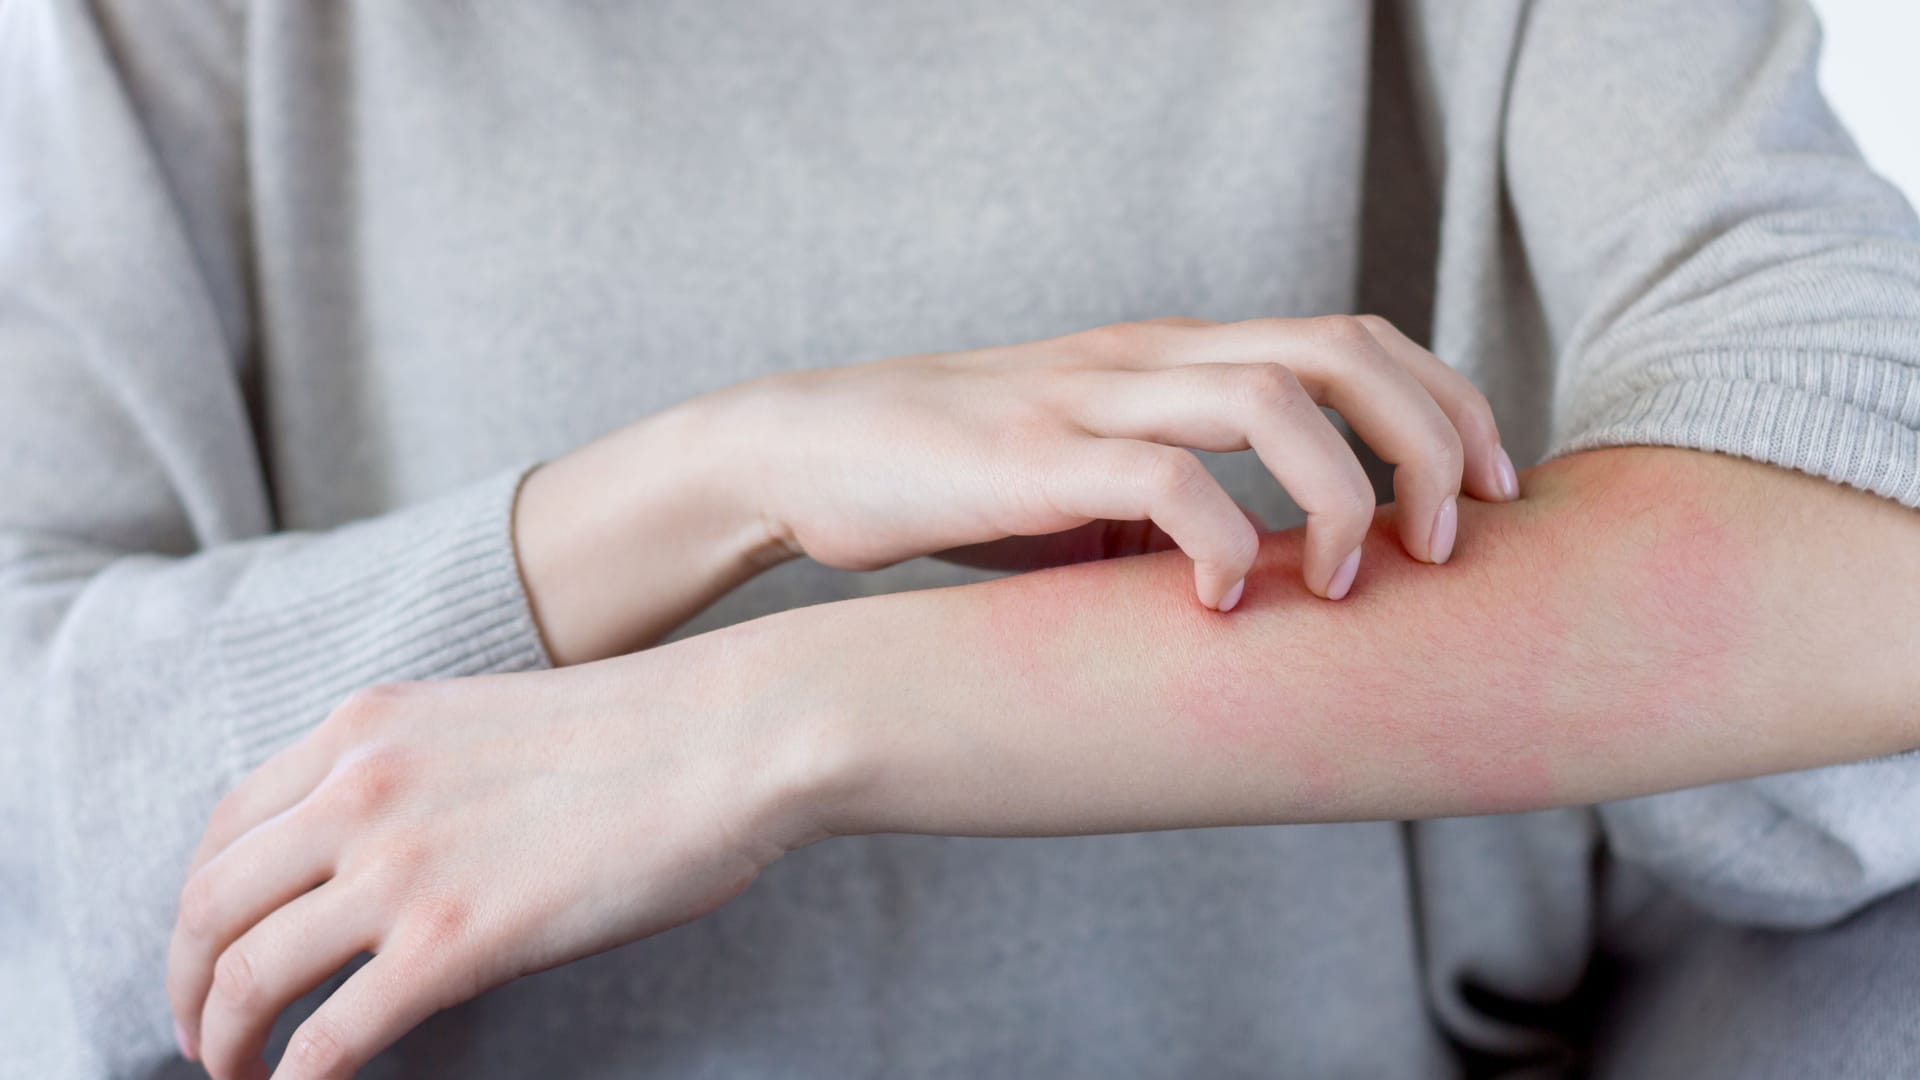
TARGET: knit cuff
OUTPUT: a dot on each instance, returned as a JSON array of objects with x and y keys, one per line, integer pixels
[
  {"x": 1851, "y": 419},
  {"x": 428, "y": 592}
]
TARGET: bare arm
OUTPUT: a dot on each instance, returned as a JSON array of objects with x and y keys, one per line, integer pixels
[{"x": 1642, "y": 620}]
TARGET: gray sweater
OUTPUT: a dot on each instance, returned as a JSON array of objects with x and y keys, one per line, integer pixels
[{"x": 292, "y": 293}]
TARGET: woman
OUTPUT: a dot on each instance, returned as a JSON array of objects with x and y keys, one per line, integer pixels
[{"x": 297, "y": 298}]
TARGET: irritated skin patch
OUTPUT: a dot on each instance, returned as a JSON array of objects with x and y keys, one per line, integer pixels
[
  {"x": 1683, "y": 616},
  {"x": 1500, "y": 682},
  {"x": 1567, "y": 644},
  {"x": 1635, "y": 623}
]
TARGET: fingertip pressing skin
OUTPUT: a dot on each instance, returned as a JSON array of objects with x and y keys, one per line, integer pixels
[
  {"x": 1216, "y": 589},
  {"x": 1220, "y": 587},
  {"x": 1342, "y": 580},
  {"x": 1446, "y": 525},
  {"x": 1232, "y": 598},
  {"x": 1507, "y": 481}
]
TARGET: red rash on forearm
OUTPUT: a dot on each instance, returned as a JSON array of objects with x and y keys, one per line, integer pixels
[
  {"x": 1429, "y": 682},
  {"x": 1642, "y": 620},
  {"x": 1410, "y": 684}
]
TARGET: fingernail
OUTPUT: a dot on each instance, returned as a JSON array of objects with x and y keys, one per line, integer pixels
[
  {"x": 1445, "y": 525},
  {"x": 1233, "y": 595},
  {"x": 180, "y": 1040},
  {"x": 1343, "y": 577},
  {"x": 1509, "y": 480}
]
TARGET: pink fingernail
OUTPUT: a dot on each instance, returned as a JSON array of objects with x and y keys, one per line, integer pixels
[
  {"x": 1509, "y": 480},
  {"x": 1446, "y": 524},
  {"x": 1343, "y": 577},
  {"x": 180, "y": 1040},
  {"x": 1233, "y": 595}
]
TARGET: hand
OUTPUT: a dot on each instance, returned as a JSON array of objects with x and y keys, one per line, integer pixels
[
  {"x": 860, "y": 467},
  {"x": 1013, "y": 457},
  {"x": 467, "y": 832}
]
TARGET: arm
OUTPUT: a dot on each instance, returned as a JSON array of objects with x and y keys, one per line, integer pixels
[
  {"x": 1642, "y": 620},
  {"x": 161, "y": 633}
]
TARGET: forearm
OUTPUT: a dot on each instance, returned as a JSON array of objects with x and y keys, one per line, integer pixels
[
  {"x": 626, "y": 538},
  {"x": 1644, "y": 620}
]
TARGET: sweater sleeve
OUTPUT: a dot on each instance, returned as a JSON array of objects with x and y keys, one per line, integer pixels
[
  {"x": 1719, "y": 270},
  {"x": 158, "y": 637}
]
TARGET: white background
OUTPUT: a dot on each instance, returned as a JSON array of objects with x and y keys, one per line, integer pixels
[{"x": 1870, "y": 70}]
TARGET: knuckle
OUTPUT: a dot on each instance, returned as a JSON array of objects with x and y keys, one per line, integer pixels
[
  {"x": 1375, "y": 325},
  {"x": 198, "y": 915},
  {"x": 1242, "y": 548},
  {"x": 1176, "y": 474},
  {"x": 1267, "y": 385},
  {"x": 226, "y": 817},
  {"x": 234, "y": 978},
  {"x": 1281, "y": 395},
  {"x": 1113, "y": 341},
  {"x": 1478, "y": 423},
  {"x": 1444, "y": 448},
  {"x": 1356, "y": 499},
  {"x": 370, "y": 706},
  {"x": 1345, "y": 333},
  {"x": 399, "y": 863},
  {"x": 318, "y": 1050},
  {"x": 438, "y": 921},
  {"x": 1350, "y": 497},
  {"x": 367, "y": 783}
]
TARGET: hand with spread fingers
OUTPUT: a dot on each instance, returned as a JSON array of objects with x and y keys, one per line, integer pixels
[
  {"x": 466, "y": 832},
  {"x": 1014, "y": 457},
  {"x": 882, "y": 462}
]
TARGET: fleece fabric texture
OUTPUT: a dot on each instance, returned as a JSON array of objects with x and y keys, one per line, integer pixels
[{"x": 293, "y": 292}]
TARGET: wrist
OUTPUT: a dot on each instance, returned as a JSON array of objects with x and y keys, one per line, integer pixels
[
  {"x": 784, "y": 680},
  {"x": 737, "y": 433},
  {"x": 625, "y": 538}
]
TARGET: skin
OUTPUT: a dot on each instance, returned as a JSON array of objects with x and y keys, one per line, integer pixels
[
  {"x": 1037, "y": 454},
  {"x": 1642, "y": 620},
  {"x": 1013, "y": 457}
]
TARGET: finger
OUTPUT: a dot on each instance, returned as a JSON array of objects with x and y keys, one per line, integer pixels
[
  {"x": 1392, "y": 412},
  {"x": 282, "y": 780},
  {"x": 1341, "y": 364},
  {"x": 1225, "y": 407},
  {"x": 1489, "y": 473},
  {"x": 1128, "y": 480},
  {"x": 384, "y": 1000},
  {"x": 264, "y": 869},
  {"x": 291, "y": 951}
]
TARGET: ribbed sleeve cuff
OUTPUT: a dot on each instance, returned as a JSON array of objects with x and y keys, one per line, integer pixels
[
  {"x": 1850, "y": 419},
  {"x": 429, "y": 592}
]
